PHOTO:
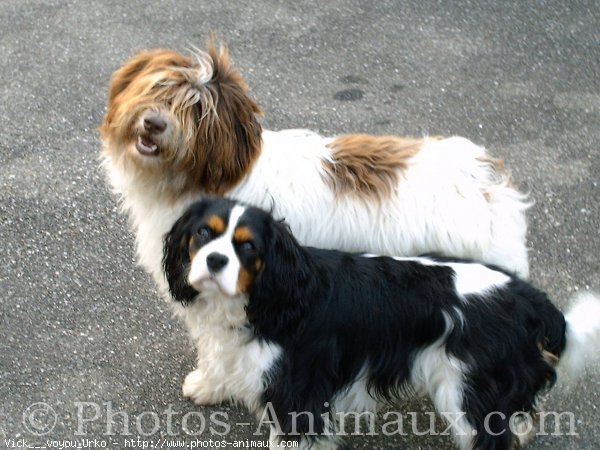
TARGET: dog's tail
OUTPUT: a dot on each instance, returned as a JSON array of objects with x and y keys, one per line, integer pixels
[{"x": 582, "y": 333}]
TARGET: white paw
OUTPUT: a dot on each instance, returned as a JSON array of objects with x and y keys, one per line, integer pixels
[
  {"x": 197, "y": 388},
  {"x": 525, "y": 427}
]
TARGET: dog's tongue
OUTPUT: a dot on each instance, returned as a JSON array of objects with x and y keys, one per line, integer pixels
[{"x": 146, "y": 147}]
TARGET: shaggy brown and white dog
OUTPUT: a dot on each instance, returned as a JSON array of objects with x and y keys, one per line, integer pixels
[{"x": 179, "y": 128}]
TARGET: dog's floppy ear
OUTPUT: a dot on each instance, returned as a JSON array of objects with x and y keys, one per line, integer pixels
[
  {"x": 127, "y": 73},
  {"x": 283, "y": 289},
  {"x": 120, "y": 80},
  {"x": 176, "y": 253},
  {"x": 231, "y": 136},
  {"x": 285, "y": 267}
]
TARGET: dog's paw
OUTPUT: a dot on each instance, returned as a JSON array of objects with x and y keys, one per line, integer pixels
[
  {"x": 524, "y": 428},
  {"x": 197, "y": 388}
]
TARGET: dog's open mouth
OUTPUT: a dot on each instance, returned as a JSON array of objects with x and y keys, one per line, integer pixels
[{"x": 146, "y": 146}]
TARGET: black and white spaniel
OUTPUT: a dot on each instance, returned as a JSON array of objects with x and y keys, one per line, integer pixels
[{"x": 306, "y": 334}]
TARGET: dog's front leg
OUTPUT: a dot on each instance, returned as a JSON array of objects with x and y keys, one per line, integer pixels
[
  {"x": 231, "y": 366},
  {"x": 212, "y": 381},
  {"x": 202, "y": 390}
]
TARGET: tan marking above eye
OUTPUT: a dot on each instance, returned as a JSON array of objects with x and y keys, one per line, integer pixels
[
  {"x": 217, "y": 224},
  {"x": 243, "y": 234}
]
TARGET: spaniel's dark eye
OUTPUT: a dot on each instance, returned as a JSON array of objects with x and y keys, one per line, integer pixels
[
  {"x": 247, "y": 246},
  {"x": 204, "y": 235}
]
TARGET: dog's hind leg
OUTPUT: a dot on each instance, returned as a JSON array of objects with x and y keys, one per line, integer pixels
[{"x": 442, "y": 377}]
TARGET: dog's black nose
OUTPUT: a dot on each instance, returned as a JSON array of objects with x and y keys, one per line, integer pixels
[
  {"x": 216, "y": 261},
  {"x": 154, "y": 124}
]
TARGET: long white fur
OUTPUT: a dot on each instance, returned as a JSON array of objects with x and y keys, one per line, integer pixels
[
  {"x": 443, "y": 189},
  {"x": 231, "y": 364},
  {"x": 439, "y": 375},
  {"x": 583, "y": 333}
]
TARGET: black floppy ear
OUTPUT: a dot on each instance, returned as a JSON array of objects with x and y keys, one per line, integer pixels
[
  {"x": 176, "y": 253},
  {"x": 285, "y": 264},
  {"x": 282, "y": 291}
]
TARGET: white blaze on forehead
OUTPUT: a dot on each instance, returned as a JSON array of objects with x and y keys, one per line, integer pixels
[
  {"x": 227, "y": 278},
  {"x": 234, "y": 217}
]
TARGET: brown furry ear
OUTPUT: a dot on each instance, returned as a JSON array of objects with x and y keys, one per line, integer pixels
[
  {"x": 125, "y": 75},
  {"x": 232, "y": 139},
  {"x": 121, "y": 79}
]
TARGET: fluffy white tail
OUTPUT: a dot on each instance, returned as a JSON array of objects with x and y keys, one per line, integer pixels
[{"x": 583, "y": 333}]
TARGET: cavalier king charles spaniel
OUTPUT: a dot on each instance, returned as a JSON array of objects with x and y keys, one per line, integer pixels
[
  {"x": 305, "y": 334},
  {"x": 180, "y": 128}
]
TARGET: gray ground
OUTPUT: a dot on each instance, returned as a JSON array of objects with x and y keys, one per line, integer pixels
[{"x": 82, "y": 328}]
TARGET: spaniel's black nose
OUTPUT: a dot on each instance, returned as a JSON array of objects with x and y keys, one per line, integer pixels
[{"x": 216, "y": 262}]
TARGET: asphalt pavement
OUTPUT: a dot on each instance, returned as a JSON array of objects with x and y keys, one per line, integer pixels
[{"x": 90, "y": 355}]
